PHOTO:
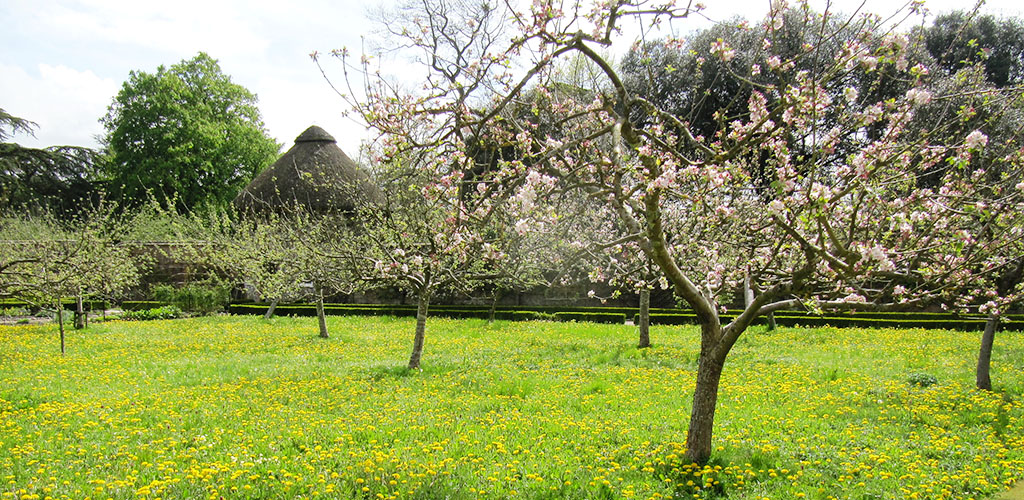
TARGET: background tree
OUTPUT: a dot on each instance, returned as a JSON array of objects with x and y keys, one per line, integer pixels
[
  {"x": 185, "y": 133},
  {"x": 964, "y": 38},
  {"x": 812, "y": 199},
  {"x": 57, "y": 178}
]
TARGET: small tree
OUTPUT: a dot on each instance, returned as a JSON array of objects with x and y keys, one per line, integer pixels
[
  {"x": 49, "y": 261},
  {"x": 424, "y": 235}
]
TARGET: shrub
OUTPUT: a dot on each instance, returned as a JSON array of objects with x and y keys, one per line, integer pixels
[
  {"x": 610, "y": 318},
  {"x": 165, "y": 312},
  {"x": 922, "y": 379},
  {"x": 203, "y": 298}
]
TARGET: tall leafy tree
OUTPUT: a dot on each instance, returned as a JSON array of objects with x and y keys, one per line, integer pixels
[
  {"x": 960, "y": 39},
  {"x": 57, "y": 178},
  {"x": 185, "y": 133}
]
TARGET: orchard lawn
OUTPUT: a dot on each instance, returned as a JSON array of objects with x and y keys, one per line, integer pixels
[{"x": 240, "y": 407}]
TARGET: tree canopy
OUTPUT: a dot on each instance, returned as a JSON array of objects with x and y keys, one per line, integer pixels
[
  {"x": 57, "y": 178},
  {"x": 185, "y": 135},
  {"x": 805, "y": 187},
  {"x": 960, "y": 39}
]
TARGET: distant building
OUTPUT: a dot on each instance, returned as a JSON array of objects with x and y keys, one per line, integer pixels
[{"x": 315, "y": 175}]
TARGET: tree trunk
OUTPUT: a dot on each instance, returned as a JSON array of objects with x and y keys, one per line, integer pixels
[
  {"x": 705, "y": 399},
  {"x": 320, "y": 313},
  {"x": 982, "y": 378},
  {"x": 79, "y": 312},
  {"x": 494, "y": 306},
  {"x": 645, "y": 319},
  {"x": 421, "y": 325},
  {"x": 771, "y": 322},
  {"x": 270, "y": 309},
  {"x": 60, "y": 324}
]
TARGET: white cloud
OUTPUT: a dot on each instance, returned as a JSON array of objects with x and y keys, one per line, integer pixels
[
  {"x": 65, "y": 102},
  {"x": 186, "y": 28}
]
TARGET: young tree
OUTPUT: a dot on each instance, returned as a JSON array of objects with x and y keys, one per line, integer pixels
[
  {"x": 48, "y": 260},
  {"x": 278, "y": 256},
  {"x": 186, "y": 133},
  {"x": 425, "y": 236},
  {"x": 842, "y": 223}
]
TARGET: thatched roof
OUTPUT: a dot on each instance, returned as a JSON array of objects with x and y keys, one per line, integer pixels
[{"x": 314, "y": 174}]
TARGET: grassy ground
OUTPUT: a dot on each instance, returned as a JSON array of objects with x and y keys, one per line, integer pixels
[{"x": 239, "y": 407}]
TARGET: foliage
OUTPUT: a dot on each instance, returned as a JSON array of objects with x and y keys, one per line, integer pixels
[
  {"x": 57, "y": 178},
  {"x": 230, "y": 402},
  {"x": 163, "y": 312},
  {"x": 45, "y": 260},
  {"x": 922, "y": 379},
  {"x": 199, "y": 297},
  {"x": 964, "y": 38},
  {"x": 806, "y": 187},
  {"x": 186, "y": 135}
]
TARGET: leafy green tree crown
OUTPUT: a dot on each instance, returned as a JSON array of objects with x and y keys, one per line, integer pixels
[{"x": 186, "y": 135}]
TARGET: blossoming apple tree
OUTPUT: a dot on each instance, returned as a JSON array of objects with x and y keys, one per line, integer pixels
[{"x": 844, "y": 221}]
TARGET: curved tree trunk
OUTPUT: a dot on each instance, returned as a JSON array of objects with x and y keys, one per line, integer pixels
[
  {"x": 982, "y": 377},
  {"x": 421, "y": 325},
  {"x": 645, "y": 319},
  {"x": 705, "y": 398},
  {"x": 270, "y": 310},
  {"x": 320, "y": 312}
]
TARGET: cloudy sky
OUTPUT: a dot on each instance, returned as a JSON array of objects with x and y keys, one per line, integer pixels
[{"x": 63, "y": 61}]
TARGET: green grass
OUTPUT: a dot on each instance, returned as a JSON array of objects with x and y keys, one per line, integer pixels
[{"x": 239, "y": 407}]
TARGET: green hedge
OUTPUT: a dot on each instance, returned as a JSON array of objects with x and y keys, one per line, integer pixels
[
  {"x": 140, "y": 305},
  {"x": 910, "y": 321},
  {"x": 69, "y": 304},
  {"x": 616, "y": 315},
  {"x": 592, "y": 317},
  {"x": 442, "y": 311}
]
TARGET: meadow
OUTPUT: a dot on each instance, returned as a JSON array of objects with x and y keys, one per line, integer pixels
[{"x": 241, "y": 407}]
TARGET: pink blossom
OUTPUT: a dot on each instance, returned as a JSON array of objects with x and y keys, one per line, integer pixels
[
  {"x": 919, "y": 96},
  {"x": 720, "y": 48},
  {"x": 850, "y": 94},
  {"x": 976, "y": 140}
]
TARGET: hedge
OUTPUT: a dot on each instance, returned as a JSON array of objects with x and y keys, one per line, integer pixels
[
  {"x": 140, "y": 305},
  {"x": 592, "y": 317},
  {"x": 331, "y": 310},
  {"x": 971, "y": 324},
  {"x": 69, "y": 304},
  {"x": 658, "y": 316}
]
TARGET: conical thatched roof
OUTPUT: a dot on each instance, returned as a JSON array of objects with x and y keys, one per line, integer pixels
[{"x": 314, "y": 174}]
